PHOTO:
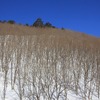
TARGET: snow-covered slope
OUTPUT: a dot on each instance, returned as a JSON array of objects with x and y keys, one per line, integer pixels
[{"x": 49, "y": 67}]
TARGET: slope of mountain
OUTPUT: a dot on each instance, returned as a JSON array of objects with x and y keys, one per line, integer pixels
[{"x": 48, "y": 64}]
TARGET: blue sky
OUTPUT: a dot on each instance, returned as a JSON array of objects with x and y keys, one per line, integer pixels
[{"x": 77, "y": 15}]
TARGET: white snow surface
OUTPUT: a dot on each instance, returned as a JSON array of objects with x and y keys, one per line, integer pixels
[{"x": 11, "y": 94}]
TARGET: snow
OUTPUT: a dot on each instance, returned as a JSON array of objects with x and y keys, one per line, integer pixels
[{"x": 12, "y": 95}]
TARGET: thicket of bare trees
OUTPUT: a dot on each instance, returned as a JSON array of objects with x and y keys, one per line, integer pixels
[{"x": 48, "y": 67}]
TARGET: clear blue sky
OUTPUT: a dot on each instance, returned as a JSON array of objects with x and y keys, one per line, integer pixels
[{"x": 78, "y": 15}]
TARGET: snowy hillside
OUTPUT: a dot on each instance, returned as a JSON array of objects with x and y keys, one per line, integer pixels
[{"x": 49, "y": 67}]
